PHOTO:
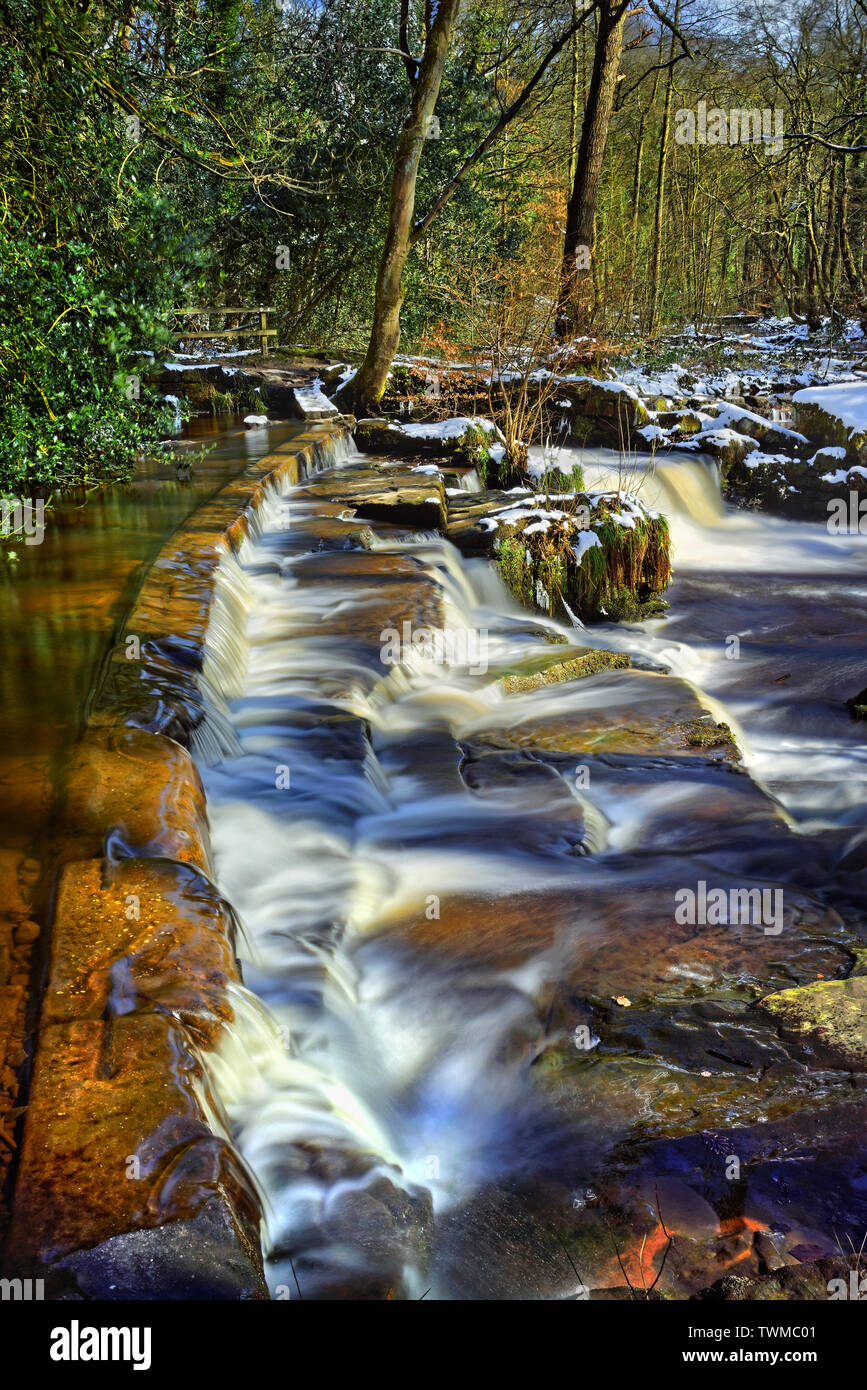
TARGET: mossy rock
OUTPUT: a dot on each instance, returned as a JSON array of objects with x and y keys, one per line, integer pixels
[
  {"x": 624, "y": 567},
  {"x": 701, "y": 734},
  {"x": 858, "y": 705},
  {"x": 603, "y": 411},
  {"x": 828, "y": 1019},
  {"x": 728, "y": 447},
  {"x": 587, "y": 664},
  {"x": 684, "y": 423},
  {"x": 820, "y": 424}
]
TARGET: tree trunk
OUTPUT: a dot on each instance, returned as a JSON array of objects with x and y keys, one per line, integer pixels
[
  {"x": 662, "y": 170},
  {"x": 581, "y": 213},
  {"x": 364, "y": 391}
]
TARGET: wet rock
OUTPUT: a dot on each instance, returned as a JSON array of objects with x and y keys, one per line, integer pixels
[
  {"x": 141, "y": 935},
  {"x": 587, "y": 664},
  {"x": 208, "y": 1256},
  {"x": 620, "y": 712},
  {"x": 806, "y": 1280},
  {"x": 858, "y": 705},
  {"x": 117, "y": 1141},
  {"x": 828, "y": 1019},
  {"x": 137, "y": 788},
  {"x": 378, "y": 493},
  {"x": 662, "y": 1070}
]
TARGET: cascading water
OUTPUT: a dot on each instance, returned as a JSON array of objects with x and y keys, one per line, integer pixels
[
  {"x": 769, "y": 618},
  {"x": 426, "y": 894}
]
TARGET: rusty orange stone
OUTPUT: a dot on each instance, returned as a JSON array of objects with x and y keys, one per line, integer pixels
[
  {"x": 141, "y": 787},
  {"x": 116, "y": 1139},
  {"x": 138, "y": 936}
]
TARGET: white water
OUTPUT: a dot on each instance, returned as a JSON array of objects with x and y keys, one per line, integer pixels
[
  {"x": 795, "y": 597},
  {"x": 354, "y": 1062}
]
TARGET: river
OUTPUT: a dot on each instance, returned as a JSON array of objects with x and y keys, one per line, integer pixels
[{"x": 475, "y": 1055}]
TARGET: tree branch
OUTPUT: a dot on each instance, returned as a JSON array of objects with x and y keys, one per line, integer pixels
[{"x": 508, "y": 115}]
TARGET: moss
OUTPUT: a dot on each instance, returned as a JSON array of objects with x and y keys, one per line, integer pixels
[
  {"x": 830, "y": 1017},
  {"x": 512, "y": 559},
  {"x": 621, "y": 577},
  {"x": 586, "y": 665},
  {"x": 504, "y": 473},
  {"x": 555, "y": 480},
  {"x": 700, "y": 734},
  {"x": 582, "y": 427},
  {"x": 473, "y": 446}
]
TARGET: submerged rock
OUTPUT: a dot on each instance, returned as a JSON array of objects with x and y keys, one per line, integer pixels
[{"x": 587, "y": 664}]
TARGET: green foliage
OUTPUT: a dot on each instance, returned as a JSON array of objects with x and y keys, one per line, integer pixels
[
  {"x": 554, "y": 480},
  {"x": 87, "y": 264},
  {"x": 621, "y": 577}
]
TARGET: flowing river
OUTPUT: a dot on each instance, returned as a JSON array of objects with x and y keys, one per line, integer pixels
[{"x": 475, "y": 1055}]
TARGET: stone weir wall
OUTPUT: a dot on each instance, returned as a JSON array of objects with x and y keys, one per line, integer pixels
[{"x": 127, "y": 1186}]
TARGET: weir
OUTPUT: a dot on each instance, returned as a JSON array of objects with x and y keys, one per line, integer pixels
[
  {"x": 449, "y": 894},
  {"x": 473, "y": 1049}
]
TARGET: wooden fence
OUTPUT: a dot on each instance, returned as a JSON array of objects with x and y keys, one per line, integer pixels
[{"x": 244, "y": 328}]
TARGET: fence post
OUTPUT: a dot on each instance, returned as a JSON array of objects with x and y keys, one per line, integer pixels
[{"x": 263, "y": 325}]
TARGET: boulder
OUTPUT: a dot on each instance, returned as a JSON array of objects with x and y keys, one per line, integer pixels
[
  {"x": 602, "y": 412},
  {"x": 727, "y": 446},
  {"x": 835, "y": 415},
  {"x": 462, "y": 437},
  {"x": 768, "y": 434}
]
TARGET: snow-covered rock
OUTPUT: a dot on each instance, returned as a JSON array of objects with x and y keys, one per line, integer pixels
[
  {"x": 835, "y": 415},
  {"x": 313, "y": 404}
]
